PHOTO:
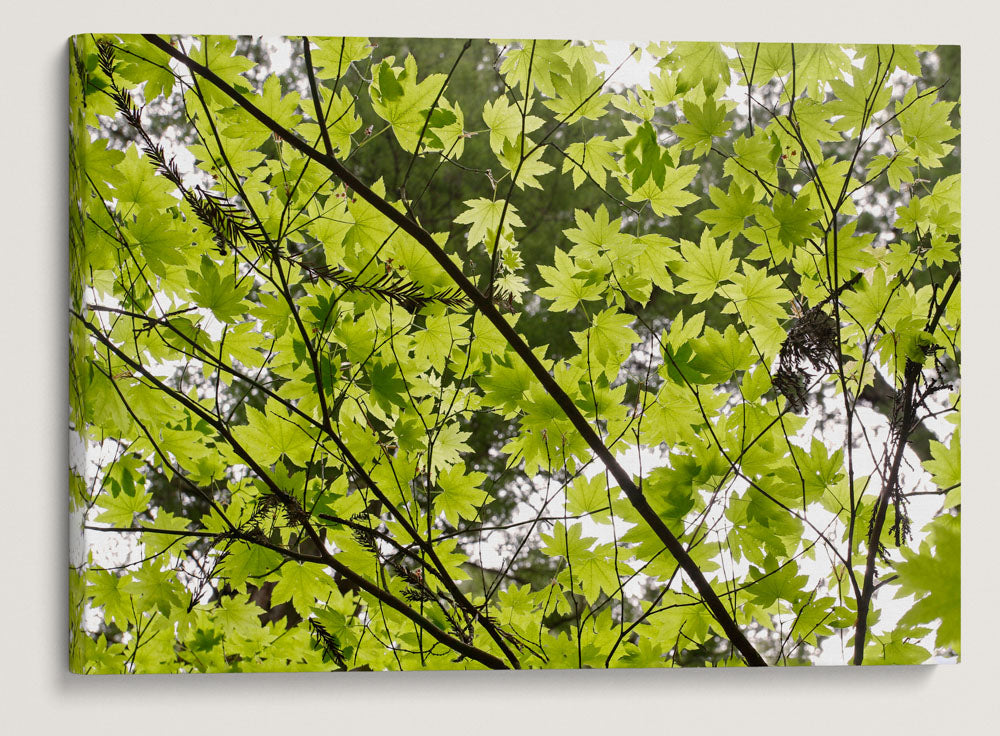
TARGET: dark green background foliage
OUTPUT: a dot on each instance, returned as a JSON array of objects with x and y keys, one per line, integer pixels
[{"x": 426, "y": 353}]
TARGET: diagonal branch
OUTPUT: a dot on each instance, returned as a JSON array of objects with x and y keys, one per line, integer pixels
[
  {"x": 314, "y": 89},
  {"x": 517, "y": 343}
]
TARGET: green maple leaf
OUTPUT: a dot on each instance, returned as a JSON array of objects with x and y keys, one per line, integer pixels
[
  {"x": 402, "y": 101},
  {"x": 108, "y": 590},
  {"x": 656, "y": 254},
  {"x": 898, "y": 167},
  {"x": 667, "y": 200},
  {"x": 719, "y": 355},
  {"x": 646, "y": 653},
  {"x": 704, "y": 123},
  {"x": 673, "y": 413},
  {"x": 868, "y": 302},
  {"x": 818, "y": 63},
  {"x": 301, "y": 584},
  {"x": 279, "y": 108},
  {"x": 576, "y": 96},
  {"x": 774, "y": 583},
  {"x": 146, "y": 66},
  {"x": 816, "y": 619},
  {"x": 595, "y": 572},
  {"x": 753, "y": 156},
  {"x": 100, "y": 162},
  {"x": 267, "y": 436},
  {"x": 441, "y": 334},
  {"x": 221, "y": 294},
  {"x": 460, "y": 496},
  {"x": 897, "y": 647},
  {"x": 933, "y": 576},
  {"x": 567, "y": 287},
  {"x": 945, "y": 467},
  {"x": 663, "y": 87},
  {"x": 529, "y": 167},
  {"x": 243, "y": 345},
  {"x": 505, "y": 122},
  {"x": 645, "y": 159},
  {"x": 773, "y": 59},
  {"x": 220, "y": 58},
  {"x": 121, "y": 510},
  {"x": 813, "y": 121},
  {"x": 562, "y": 651},
  {"x": 342, "y": 121},
  {"x": 334, "y": 55},
  {"x": 817, "y": 469},
  {"x": 947, "y": 194},
  {"x": 453, "y": 558},
  {"x": 246, "y": 560},
  {"x": 484, "y": 216},
  {"x": 853, "y": 252},
  {"x": 273, "y": 313},
  {"x": 240, "y": 155},
  {"x": 757, "y": 295},
  {"x": 593, "y": 158},
  {"x": 608, "y": 340},
  {"x": 705, "y": 266},
  {"x": 517, "y": 603},
  {"x": 791, "y": 220},
  {"x": 444, "y": 123},
  {"x": 924, "y": 126},
  {"x": 855, "y": 103},
  {"x": 237, "y": 617},
  {"x": 672, "y": 490},
  {"x": 154, "y": 586},
  {"x": 590, "y": 496},
  {"x": 567, "y": 542},
  {"x": 913, "y": 216},
  {"x": 138, "y": 188},
  {"x": 183, "y": 444},
  {"x": 594, "y": 235},
  {"x": 389, "y": 88},
  {"x": 901, "y": 56},
  {"x": 387, "y": 387},
  {"x": 449, "y": 445},
  {"x": 732, "y": 210},
  {"x": 154, "y": 544},
  {"x": 370, "y": 228},
  {"x": 164, "y": 244},
  {"x": 701, "y": 63},
  {"x": 538, "y": 63},
  {"x": 506, "y": 384}
]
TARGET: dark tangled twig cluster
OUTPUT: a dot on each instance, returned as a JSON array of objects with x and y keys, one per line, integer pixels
[
  {"x": 907, "y": 401},
  {"x": 812, "y": 341}
]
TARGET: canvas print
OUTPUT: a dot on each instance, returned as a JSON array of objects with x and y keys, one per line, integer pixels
[{"x": 424, "y": 353}]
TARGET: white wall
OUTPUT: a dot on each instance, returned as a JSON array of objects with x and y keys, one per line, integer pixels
[{"x": 38, "y": 695}]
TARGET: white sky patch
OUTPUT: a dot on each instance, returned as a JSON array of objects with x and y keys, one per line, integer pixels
[
  {"x": 634, "y": 71},
  {"x": 279, "y": 51}
]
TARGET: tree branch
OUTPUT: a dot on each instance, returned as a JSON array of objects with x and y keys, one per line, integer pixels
[
  {"x": 624, "y": 479},
  {"x": 911, "y": 376}
]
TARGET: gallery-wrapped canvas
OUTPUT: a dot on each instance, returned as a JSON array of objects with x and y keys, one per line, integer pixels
[{"x": 415, "y": 354}]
